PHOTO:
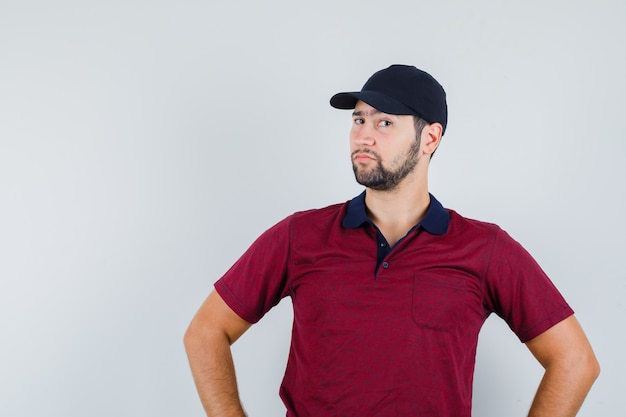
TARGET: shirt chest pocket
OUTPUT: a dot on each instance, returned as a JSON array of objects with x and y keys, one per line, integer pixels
[{"x": 440, "y": 302}]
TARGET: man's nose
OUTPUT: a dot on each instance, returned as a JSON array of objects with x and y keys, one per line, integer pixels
[{"x": 365, "y": 135}]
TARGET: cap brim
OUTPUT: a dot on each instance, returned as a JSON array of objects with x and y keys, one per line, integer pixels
[{"x": 375, "y": 99}]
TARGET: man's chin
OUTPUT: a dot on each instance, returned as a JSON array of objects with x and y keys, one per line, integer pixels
[{"x": 370, "y": 182}]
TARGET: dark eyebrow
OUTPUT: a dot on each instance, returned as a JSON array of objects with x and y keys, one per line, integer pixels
[{"x": 362, "y": 113}]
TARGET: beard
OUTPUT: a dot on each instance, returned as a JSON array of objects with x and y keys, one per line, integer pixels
[{"x": 386, "y": 179}]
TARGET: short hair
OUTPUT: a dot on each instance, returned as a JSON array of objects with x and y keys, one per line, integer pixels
[{"x": 420, "y": 124}]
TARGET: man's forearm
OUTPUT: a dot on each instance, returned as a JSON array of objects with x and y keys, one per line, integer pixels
[
  {"x": 212, "y": 366},
  {"x": 563, "y": 390}
]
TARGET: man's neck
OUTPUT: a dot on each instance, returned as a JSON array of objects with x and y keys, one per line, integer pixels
[{"x": 396, "y": 211}]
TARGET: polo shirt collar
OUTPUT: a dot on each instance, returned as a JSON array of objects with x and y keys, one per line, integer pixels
[{"x": 435, "y": 221}]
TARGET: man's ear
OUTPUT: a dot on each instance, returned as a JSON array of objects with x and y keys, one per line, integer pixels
[{"x": 431, "y": 137}]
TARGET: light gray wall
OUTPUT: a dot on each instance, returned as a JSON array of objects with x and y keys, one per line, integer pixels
[{"x": 144, "y": 145}]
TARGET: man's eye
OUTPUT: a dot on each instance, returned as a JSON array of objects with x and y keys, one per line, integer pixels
[
  {"x": 384, "y": 123},
  {"x": 358, "y": 121}
]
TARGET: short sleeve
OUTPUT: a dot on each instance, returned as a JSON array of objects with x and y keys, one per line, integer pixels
[
  {"x": 258, "y": 280},
  {"x": 520, "y": 292}
]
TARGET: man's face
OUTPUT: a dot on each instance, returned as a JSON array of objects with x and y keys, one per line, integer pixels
[{"x": 383, "y": 147}]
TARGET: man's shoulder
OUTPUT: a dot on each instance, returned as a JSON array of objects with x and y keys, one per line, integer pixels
[
  {"x": 322, "y": 214},
  {"x": 460, "y": 223}
]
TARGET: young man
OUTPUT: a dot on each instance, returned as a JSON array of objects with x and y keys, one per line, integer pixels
[{"x": 390, "y": 289}]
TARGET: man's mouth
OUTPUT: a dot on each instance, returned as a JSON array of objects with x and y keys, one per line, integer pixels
[{"x": 363, "y": 156}]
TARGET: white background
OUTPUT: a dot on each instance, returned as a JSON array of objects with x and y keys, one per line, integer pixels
[{"x": 145, "y": 144}]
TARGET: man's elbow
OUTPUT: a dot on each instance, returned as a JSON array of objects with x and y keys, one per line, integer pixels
[
  {"x": 593, "y": 367},
  {"x": 190, "y": 336},
  {"x": 585, "y": 365},
  {"x": 201, "y": 335},
  {"x": 195, "y": 335}
]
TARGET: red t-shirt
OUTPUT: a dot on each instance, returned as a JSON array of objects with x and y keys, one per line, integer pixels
[{"x": 394, "y": 340}]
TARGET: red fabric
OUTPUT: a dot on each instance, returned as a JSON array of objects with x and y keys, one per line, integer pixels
[{"x": 401, "y": 341}]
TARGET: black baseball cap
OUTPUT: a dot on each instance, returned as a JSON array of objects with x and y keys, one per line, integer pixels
[{"x": 400, "y": 90}]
